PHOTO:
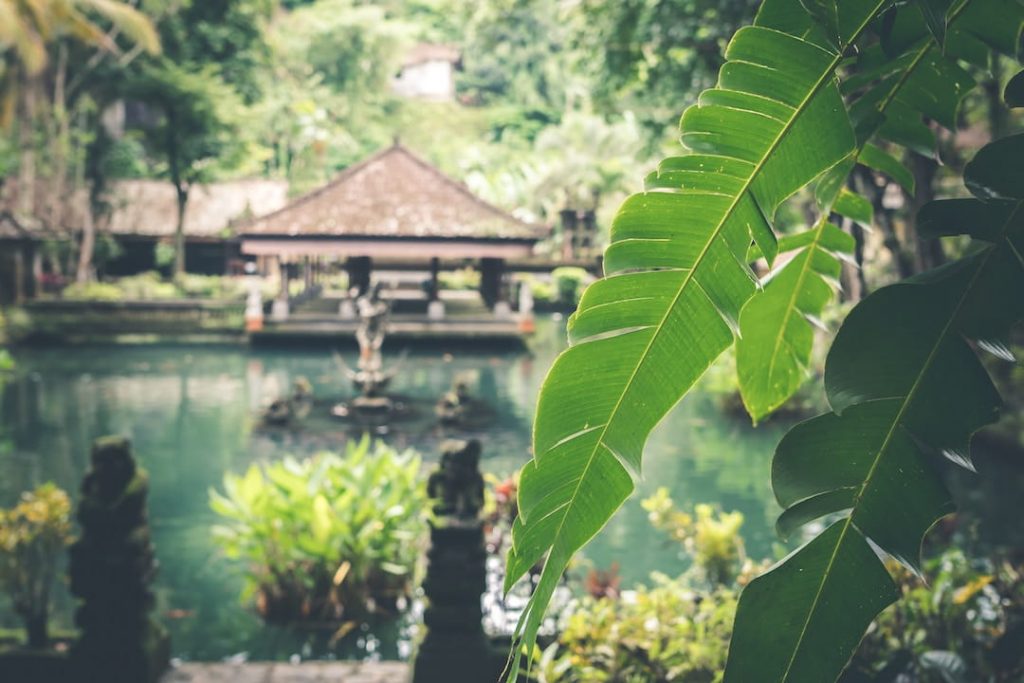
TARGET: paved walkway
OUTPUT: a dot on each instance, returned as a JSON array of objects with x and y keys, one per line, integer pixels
[{"x": 310, "y": 672}]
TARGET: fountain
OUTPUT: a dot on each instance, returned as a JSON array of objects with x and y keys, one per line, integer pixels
[{"x": 369, "y": 377}]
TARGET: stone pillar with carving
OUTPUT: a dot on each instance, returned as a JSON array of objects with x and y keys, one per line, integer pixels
[
  {"x": 112, "y": 567},
  {"x": 455, "y": 648}
]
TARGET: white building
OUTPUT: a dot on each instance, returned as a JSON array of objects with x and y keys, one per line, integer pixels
[{"x": 428, "y": 73}]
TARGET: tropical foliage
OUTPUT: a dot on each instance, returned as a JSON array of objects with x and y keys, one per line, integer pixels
[
  {"x": 806, "y": 94},
  {"x": 33, "y": 535},
  {"x": 327, "y": 539},
  {"x": 966, "y": 625}
]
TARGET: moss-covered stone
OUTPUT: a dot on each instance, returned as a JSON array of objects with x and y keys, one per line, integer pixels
[{"x": 112, "y": 567}]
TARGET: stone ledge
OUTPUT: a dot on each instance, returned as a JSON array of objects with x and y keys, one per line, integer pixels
[{"x": 308, "y": 672}]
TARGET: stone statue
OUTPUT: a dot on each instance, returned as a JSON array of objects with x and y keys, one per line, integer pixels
[
  {"x": 455, "y": 648},
  {"x": 111, "y": 569},
  {"x": 457, "y": 486}
]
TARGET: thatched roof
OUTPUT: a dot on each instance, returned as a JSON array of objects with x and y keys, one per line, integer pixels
[
  {"x": 148, "y": 208},
  {"x": 394, "y": 194}
]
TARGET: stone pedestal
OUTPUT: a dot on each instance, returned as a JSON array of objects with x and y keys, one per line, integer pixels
[
  {"x": 112, "y": 567},
  {"x": 455, "y": 648},
  {"x": 435, "y": 310},
  {"x": 347, "y": 309},
  {"x": 279, "y": 310}
]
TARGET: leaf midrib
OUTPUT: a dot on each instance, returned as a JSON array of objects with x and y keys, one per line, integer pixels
[
  {"x": 896, "y": 423},
  {"x": 797, "y": 113}
]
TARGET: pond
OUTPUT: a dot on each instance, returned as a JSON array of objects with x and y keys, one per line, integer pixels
[{"x": 192, "y": 414}]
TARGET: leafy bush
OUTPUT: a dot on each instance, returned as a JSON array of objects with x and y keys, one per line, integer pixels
[
  {"x": 332, "y": 537},
  {"x": 32, "y": 536},
  {"x": 146, "y": 286},
  {"x": 93, "y": 291},
  {"x": 676, "y": 629},
  {"x": 667, "y": 632},
  {"x": 968, "y": 625},
  {"x": 210, "y": 286},
  {"x": 711, "y": 537},
  {"x": 464, "y": 279},
  {"x": 542, "y": 290},
  {"x": 569, "y": 283}
]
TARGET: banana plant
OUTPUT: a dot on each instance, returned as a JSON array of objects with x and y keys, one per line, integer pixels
[
  {"x": 906, "y": 388},
  {"x": 677, "y": 277},
  {"x": 897, "y": 84},
  {"x": 678, "y": 284}
]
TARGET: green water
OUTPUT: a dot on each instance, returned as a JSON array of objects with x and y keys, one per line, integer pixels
[{"x": 191, "y": 414}]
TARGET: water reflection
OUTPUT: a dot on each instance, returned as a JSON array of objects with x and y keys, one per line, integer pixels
[{"x": 193, "y": 413}]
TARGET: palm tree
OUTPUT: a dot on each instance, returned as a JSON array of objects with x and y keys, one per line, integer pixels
[{"x": 29, "y": 32}]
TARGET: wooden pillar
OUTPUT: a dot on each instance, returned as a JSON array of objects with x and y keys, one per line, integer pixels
[
  {"x": 359, "y": 269},
  {"x": 435, "y": 286},
  {"x": 19, "y": 274},
  {"x": 492, "y": 271},
  {"x": 282, "y": 268},
  {"x": 37, "y": 270},
  {"x": 570, "y": 225}
]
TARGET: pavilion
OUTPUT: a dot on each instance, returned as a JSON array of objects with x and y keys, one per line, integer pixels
[{"x": 391, "y": 207}]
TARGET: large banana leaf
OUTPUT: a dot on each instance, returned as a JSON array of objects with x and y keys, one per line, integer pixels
[
  {"x": 676, "y": 277},
  {"x": 894, "y": 95},
  {"x": 906, "y": 388}
]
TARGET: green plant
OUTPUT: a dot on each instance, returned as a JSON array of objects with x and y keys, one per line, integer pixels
[
  {"x": 332, "y": 537},
  {"x": 801, "y": 99},
  {"x": 93, "y": 291},
  {"x": 33, "y": 534},
  {"x": 665, "y": 632},
  {"x": 710, "y": 536},
  {"x": 463, "y": 278},
  {"x": 569, "y": 283},
  {"x": 966, "y": 625}
]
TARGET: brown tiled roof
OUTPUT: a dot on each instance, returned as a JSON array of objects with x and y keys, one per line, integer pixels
[
  {"x": 393, "y": 193},
  {"x": 431, "y": 52}
]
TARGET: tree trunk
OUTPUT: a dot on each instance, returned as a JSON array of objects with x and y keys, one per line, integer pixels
[
  {"x": 27, "y": 148},
  {"x": 60, "y": 139},
  {"x": 928, "y": 254},
  {"x": 86, "y": 249},
  {"x": 179, "y": 231},
  {"x": 37, "y": 632}
]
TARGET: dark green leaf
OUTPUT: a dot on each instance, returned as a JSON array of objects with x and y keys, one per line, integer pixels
[
  {"x": 904, "y": 385},
  {"x": 1014, "y": 93},
  {"x": 875, "y": 158},
  {"x": 798, "y": 622}
]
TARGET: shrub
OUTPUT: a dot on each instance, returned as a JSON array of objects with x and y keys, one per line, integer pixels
[
  {"x": 667, "y": 632},
  {"x": 464, "y": 279},
  {"x": 32, "y": 536},
  {"x": 145, "y": 286},
  {"x": 968, "y": 625},
  {"x": 332, "y": 537},
  {"x": 210, "y": 286},
  {"x": 93, "y": 291},
  {"x": 569, "y": 283},
  {"x": 710, "y": 536}
]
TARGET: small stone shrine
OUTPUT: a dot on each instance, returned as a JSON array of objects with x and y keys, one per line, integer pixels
[
  {"x": 112, "y": 567},
  {"x": 455, "y": 648}
]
